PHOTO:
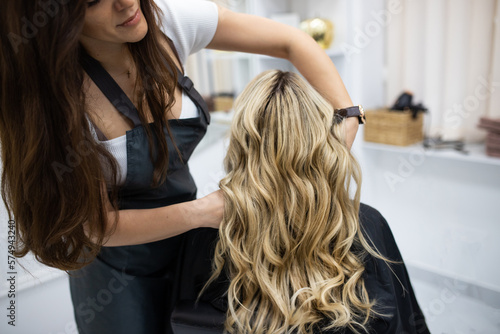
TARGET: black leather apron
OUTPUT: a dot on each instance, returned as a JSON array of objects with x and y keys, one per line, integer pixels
[{"x": 130, "y": 289}]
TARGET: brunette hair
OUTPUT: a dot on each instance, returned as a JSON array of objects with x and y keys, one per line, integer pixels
[
  {"x": 290, "y": 238},
  {"x": 53, "y": 169}
]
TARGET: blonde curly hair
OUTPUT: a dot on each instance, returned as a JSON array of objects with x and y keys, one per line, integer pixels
[{"x": 290, "y": 239}]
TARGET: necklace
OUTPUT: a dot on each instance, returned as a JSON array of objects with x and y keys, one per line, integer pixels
[
  {"x": 129, "y": 72},
  {"x": 130, "y": 68}
]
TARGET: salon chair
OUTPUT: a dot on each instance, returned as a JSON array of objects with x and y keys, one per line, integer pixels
[
  {"x": 206, "y": 316},
  {"x": 189, "y": 317}
]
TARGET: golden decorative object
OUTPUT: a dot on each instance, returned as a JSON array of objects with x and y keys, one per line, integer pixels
[{"x": 319, "y": 29}]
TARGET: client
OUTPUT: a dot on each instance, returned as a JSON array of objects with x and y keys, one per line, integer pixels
[{"x": 297, "y": 252}]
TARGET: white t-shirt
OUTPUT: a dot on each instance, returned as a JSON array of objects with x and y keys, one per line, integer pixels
[{"x": 191, "y": 25}]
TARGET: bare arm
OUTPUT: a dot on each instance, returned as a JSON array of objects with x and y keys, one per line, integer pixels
[
  {"x": 254, "y": 34},
  {"x": 138, "y": 226}
]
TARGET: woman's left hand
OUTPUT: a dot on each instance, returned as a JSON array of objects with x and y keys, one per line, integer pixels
[{"x": 210, "y": 210}]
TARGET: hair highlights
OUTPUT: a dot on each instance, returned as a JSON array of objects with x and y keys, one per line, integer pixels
[{"x": 290, "y": 239}]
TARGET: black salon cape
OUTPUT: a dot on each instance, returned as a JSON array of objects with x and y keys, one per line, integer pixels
[{"x": 394, "y": 297}]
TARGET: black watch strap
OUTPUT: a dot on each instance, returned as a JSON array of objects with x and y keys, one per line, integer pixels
[{"x": 354, "y": 111}]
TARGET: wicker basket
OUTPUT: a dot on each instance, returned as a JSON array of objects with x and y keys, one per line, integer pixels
[
  {"x": 393, "y": 127},
  {"x": 223, "y": 103}
]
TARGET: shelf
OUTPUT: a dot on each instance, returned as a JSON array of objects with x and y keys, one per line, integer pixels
[
  {"x": 222, "y": 117},
  {"x": 476, "y": 152}
]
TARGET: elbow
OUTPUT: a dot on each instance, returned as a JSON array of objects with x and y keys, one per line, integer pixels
[{"x": 298, "y": 42}]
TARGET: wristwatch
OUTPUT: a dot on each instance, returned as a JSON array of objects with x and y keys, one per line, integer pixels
[{"x": 355, "y": 111}]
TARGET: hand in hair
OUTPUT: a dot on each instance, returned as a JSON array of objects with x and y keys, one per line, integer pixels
[
  {"x": 124, "y": 226},
  {"x": 212, "y": 209}
]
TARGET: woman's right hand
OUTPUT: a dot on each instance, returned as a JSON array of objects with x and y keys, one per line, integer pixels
[{"x": 210, "y": 210}]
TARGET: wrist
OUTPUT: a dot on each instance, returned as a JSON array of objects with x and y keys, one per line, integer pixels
[
  {"x": 199, "y": 211},
  {"x": 191, "y": 212},
  {"x": 351, "y": 129}
]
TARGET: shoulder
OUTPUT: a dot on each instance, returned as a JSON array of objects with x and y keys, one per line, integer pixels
[
  {"x": 376, "y": 228},
  {"x": 371, "y": 219},
  {"x": 190, "y": 24},
  {"x": 186, "y": 9},
  {"x": 365, "y": 209}
]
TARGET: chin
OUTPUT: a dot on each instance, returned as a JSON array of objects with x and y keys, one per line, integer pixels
[{"x": 138, "y": 35}]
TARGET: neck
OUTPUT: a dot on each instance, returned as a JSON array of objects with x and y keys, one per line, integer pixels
[{"x": 114, "y": 57}]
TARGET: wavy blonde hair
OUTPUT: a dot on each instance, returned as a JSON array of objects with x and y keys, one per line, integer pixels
[{"x": 290, "y": 239}]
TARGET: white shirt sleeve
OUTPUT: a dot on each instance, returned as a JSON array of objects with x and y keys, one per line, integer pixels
[{"x": 190, "y": 24}]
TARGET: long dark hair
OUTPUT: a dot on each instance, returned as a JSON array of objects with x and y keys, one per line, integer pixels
[{"x": 52, "y": 167}]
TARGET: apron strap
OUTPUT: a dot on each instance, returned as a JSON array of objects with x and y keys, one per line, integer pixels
[
  {"x": 188, "y": 87},
  {"x": 109, "y": 87},
  {"x": 186, "y": 83}
]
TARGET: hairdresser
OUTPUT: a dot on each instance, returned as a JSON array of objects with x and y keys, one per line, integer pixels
[{"x": 97, "y": 124}]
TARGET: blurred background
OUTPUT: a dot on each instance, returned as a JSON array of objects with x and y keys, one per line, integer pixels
[{"x": 428, "y": 75}]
